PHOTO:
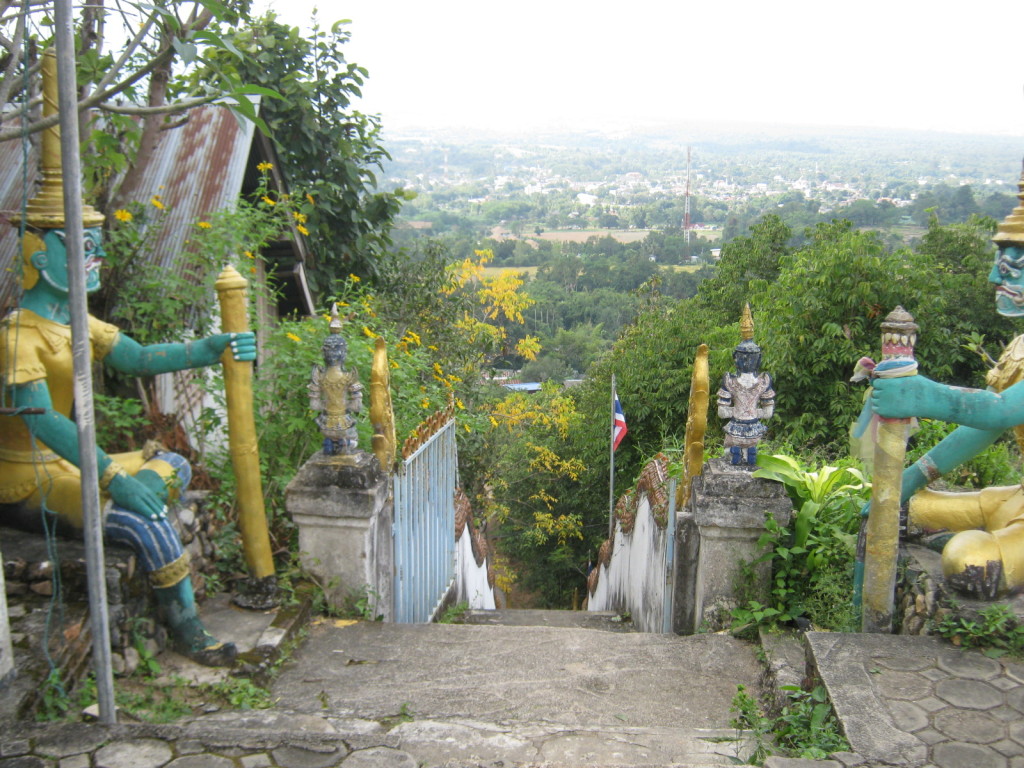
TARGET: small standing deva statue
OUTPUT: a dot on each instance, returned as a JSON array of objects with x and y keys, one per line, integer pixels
[
  {"x": 745, "y": 397},
  {"x": 336, "y": 394}
]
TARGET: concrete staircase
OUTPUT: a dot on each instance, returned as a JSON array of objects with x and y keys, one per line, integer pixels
[{"x": 522, "y": 688}]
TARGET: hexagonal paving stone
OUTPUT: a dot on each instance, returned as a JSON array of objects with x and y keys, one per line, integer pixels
[
  {"x": 1003, "y": 683},
  {"x": 1016, "y": 731},
  {"x": 136, "y": 753},
  {"x": 969, "y": 694},
  {"x": 907, "y": 717},
  {"x": 1009, "y": 748},
  {"x": 1015, "y": 699},
  {"x": 968, "y": 726},
  {"x": 902, "y": 685},
  {"x": 953, "y": 755},
  {"x": 969, "y": 664},
  {"x": 902, "y": 663},
  {"x": 1004, "y": 713}
]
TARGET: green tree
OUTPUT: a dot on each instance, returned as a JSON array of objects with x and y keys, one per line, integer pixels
[{"x": 329, "y": 150}]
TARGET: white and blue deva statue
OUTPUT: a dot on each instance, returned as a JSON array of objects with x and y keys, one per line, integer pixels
[{"x": 745, "y": 398}]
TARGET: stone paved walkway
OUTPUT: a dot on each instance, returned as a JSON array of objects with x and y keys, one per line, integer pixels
[{"x": 919, "y": 701}]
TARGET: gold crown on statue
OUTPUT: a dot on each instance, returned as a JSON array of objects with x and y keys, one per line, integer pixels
[
  {"x": 1011, "y": 230},
  {"x": 46, "y": 209}
]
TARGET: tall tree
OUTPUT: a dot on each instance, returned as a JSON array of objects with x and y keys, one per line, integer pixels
[{"x": 326, "y": 147}]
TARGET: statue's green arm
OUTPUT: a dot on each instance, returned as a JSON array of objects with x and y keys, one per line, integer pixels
[
  {"x": 128, "y": 356},
  {"x": 61, "y": 435},
  {"x": 983, "y": 415},
  {"x": 960, "y": 445},
  {"x": 982, "y": 409}
]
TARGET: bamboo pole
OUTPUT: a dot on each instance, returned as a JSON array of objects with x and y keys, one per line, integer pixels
[{"x": 245, "y": 456}]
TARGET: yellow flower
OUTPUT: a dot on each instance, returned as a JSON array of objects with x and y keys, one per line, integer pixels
[
  {"x": 369, "y": 333},
  {"x": 264, "y": 167},
  {"x": 248, "y": 255},
  {"x": 459, "y": 405},
  {"x": 303, "y": 230},
  {"x": 157, "y": 202},
  {"x": 394, "y": 363},
  {"x": 122, "y": 215},
  {"x": 268, "y": 200},
  {"x": 299, "y": 217},
  {"x": 327, "y": 318},
  {"x": 310, "y": 198},
  {"x": 342, "y": 303},
  {"x": 424, "y": 403},
  {"x": 204, "y": 224},
  {"x": 466, "y": 427},
  {"x": 354, "y": 278},
  {"x": 293, "y": 337},
  {"x": 253, "y": 270}
]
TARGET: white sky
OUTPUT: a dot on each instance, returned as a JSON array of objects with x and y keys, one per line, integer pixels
[{"x": 935, "y": 65}]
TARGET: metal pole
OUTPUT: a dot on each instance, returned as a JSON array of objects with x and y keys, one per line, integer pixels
[
  {"x": 611, "y": 468},
  {"x": 73, "y": 236}
]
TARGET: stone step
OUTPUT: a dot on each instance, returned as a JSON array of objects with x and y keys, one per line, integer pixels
[
  {"x": 608, "y": 621},
  {"x": 568, "y": 676}
]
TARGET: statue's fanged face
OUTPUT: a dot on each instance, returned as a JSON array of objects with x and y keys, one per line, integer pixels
[
  {"x": 53, "y": 262},
  {"x": 1008, "y": 275}
]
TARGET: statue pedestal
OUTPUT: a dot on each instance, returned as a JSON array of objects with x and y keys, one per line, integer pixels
[
  {"x": 6, "y": 650},
  {"x": 717, "y": 533},
  {"x": 344, "y": 511}
]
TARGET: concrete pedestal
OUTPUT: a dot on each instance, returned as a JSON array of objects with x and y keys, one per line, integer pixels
[
  {"x": 718, "y": 532},
  {"x": 344, "y": 511},
  {"x": 6, "y": 651}
]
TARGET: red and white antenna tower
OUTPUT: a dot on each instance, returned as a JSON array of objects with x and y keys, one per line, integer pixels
[{"x": 686, "y": 209}]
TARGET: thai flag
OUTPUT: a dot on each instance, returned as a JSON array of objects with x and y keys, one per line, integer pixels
[{"x": 618, "y": 424}]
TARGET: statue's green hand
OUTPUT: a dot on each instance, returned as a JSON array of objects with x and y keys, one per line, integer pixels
[
  {"x": 136, "y": 496},
  {"x": 242, "y": 345},
  {"x": 906, "y": 397}
]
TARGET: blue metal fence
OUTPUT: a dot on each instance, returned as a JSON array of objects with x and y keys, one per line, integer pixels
[{"x": 424, "y": 527}]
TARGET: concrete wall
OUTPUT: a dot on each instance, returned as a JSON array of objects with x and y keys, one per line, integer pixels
[
  {"x": 472, "y": 585},
  {"x": 634, "y": 580}
]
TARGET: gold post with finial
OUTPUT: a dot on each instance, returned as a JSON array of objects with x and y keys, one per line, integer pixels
[
  {"x": 899, "y": 335},
  {"x": 245, "y": 456},
  {"x": 382, "y": 415}
]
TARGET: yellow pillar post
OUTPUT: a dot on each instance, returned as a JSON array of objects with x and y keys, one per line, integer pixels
[
  {"x": 899, "y": 334},
  {"x": 245, "y": 457}
]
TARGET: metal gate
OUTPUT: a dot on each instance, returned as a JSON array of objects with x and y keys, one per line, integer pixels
[{"x": 424, "y": 527}]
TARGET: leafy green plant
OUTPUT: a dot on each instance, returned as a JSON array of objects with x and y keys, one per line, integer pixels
[
  {"x": 53, "y": 699},
  {"x": 806, "y": 727},
  {"x": 453, "y": 613},
  {"x": 240, "y": 693},
  {"x": 812, "y": 557},
  {"x": 749, "y": 719},
  {"x": 997, "y": 630}
]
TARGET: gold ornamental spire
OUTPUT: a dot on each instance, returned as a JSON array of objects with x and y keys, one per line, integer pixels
[
  {"x": 746, "y": 324},
  {"x": 1011, "y": 230},
  {"x": 46, "y": 209}
]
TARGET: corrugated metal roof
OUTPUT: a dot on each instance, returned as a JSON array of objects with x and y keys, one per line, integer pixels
[
  {"x": 13, "y": 186},
  {"x": 197, "y": 168}
]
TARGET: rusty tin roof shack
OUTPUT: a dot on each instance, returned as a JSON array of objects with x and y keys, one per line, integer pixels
[{"x": 201, "y": 165}]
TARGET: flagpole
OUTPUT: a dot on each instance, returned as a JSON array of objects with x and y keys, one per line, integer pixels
[{"x": 611, "y": 466}]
